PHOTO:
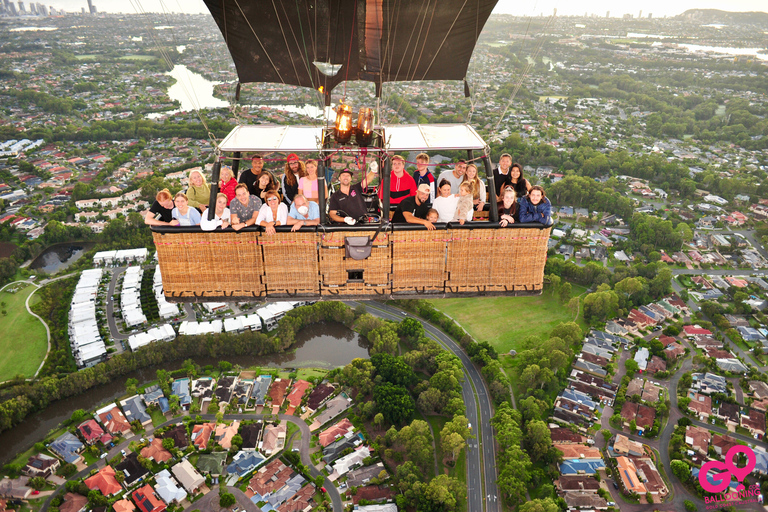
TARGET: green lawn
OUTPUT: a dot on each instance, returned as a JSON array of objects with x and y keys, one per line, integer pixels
[
  {"x": 505, "y": 321},
  {"x": 158, "y": 418},
  {"x": 137, "y": 57},
  {"x": 23, "y": 344}
]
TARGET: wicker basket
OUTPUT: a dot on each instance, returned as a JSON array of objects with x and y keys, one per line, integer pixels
[{"x": 342, "y": 276}]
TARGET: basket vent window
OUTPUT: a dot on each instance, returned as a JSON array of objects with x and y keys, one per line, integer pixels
[{"x": 354, "y": 276}]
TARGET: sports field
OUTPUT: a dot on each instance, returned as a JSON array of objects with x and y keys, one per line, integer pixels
[
  {"x": 505, "y": 321},
  {"x": 23, "y": 342}
]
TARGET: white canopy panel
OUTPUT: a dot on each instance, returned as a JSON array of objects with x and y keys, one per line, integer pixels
[
  {"x": 416, "y": 137},
  {"x": 267, "y": 137},
  {"x": 406, "y": 137}
]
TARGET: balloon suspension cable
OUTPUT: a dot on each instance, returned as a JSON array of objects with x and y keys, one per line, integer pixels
[
  {"x": 167, "y": 59},
  {"x": 529, "y": 65},
  {"x": 349, "y": 54}
]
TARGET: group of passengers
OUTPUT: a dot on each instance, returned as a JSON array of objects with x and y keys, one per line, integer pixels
[{"x": 258, "y": 198}]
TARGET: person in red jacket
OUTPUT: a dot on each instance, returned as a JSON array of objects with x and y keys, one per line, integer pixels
[
  {"x": 401, "y": 184},
  {"x": 227, "y": 183}
]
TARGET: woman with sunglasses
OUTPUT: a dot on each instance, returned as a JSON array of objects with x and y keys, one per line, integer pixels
[{"x": 272, "y": 213}]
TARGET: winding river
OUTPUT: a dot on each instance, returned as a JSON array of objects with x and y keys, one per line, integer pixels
[{"x": 324, "y": 345}]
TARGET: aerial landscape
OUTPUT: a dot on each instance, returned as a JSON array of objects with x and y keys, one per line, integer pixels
[{"x": 607, "y": 352}]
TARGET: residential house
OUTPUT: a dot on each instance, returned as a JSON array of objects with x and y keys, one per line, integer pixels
[
  {"x": 562, "y": 435},
  {"x": 344, "y": 464},
  {"x": 754, "y": 421},
  {"x": 224, "y": 389},
  {"x": 732, "y": 365},
  {"x": 723, "y": 443},
  {"x": 319, "y": 395},
  {"x": 270, "y": 478},
  {"x": 135, "y": 410},
  {"x": 730, "y": 414},
  {"x": 154, "y": 451},
  {"x": 225, "y": 433},
  {"x": 15, "y": 488},
  {"x": 277, "y": 393},
  {"x": 698, "y": 438},
  {"x": 203, "y": 387},
  {"x": 641, "y": 414},
  {"x": 245, "y": 462},
  {"x": 335, "y": 431},
  {"x": 41, "y": 465},
  {"x": 123, "y": 506},
  {"x": 273, "y": 438},
  {"x": 167, "y": 488},
  {"x": 93, "y": 433},
  {"x": 104, "y": 481},
  {"x": 361, "y": 476},
  {"x": 646, "y": 470},
  {"x": 180, "y": 388},
  {"x": 334, "y": 450},
  {"x": 582, "y": 483},
  {"x": 114, "y": 421},
  {"x": 260, "y": 389},
  {"x": 578, "y": 451},
  {"x": 179, "y": 435},
  {"x": 333, "y": 408},
  {"x": 701, "y": 406},
  {"x": 576, "y": 500},
  {"x": 146, "y": 501},
  {"x": 622, "y": 445},
  {"x": 628, "y": 473},
  {"x": 201, "y": 434},
  {"x": 188, "y": 476},
  {"x": 242, "y": 391},
  {"x": 73, "y": 503},
  {"x": 758, "y": 389},
  {"x": 250, "y": 434},
  {"x": 296, "y": 395},
  {"x": 709, "y": 383},
  {"x": 656, "y": 364},
  {"x": 68, "y": 447},
  {"x": 213, "y": 464},
  {"x": 132, "y": 470},
  {"x": 674, "y": 351}
]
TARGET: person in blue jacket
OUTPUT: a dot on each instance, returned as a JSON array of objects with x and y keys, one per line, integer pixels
[{"x": 535, "y": 207}]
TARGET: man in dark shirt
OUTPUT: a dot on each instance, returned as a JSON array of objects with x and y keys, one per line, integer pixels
[
  {"x": 347, "y": 203},
  {"x": 414, "y": 209},
  {"x": 501, "y": 175},
  {"x": 251, "y": 177}
]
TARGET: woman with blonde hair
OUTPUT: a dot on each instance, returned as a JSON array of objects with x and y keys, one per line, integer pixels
[
  {"x": 272, "y": 213},
  {"x": 308, "y": 185},
  {"x": 477, "y": 186},
  {"x": 161, "y": 211},
  {"x": 508, "y": 213},
  {"x": 294, "y": 171},
  {"x": 183, "y": 214},
  {"x": 221, "y": 215},
  {"x": 198, "y": 190},
  {"x": 227, "y": 182}
]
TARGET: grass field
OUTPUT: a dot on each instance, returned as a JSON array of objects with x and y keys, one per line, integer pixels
[
  {"x": 137, "y": 57},
  {"x": 505, "y": 321},
  {"x": 23, "y": 343}
]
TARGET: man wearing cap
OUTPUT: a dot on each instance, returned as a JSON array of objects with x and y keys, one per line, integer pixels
[
  {"x": 251, "y": 177},
  {"x": 455, "y": 176},
  {"x": 401, "y": 184},
  {"x": 294, "y": 171},
  {"x": 347, "y": 203},
  {"x": 414, "y": 209}
]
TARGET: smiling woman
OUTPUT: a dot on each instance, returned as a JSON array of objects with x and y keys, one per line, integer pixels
[{"x": 24, "y": 343}]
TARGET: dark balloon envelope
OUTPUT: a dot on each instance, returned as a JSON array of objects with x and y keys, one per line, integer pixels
[{"x": 323, "y": 43}]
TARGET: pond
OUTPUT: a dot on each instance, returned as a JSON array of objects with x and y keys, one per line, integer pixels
[
  {"x": 323, "y": 345},
  {"x": 60, "y": 256}
]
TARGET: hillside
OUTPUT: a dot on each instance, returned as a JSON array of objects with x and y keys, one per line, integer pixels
[{"x": 706, "y": 16}]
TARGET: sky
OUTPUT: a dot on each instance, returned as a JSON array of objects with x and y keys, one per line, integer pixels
[{"x": 659, "y": 8}]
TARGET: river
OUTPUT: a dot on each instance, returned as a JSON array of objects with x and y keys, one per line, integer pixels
[
  {"x": 324, "y": 345},
  {"x": 194, "y": 91},
  {"x": 59, "y": 257}
]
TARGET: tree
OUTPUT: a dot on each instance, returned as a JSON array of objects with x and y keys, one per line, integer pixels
[
  {"x": 681, "y": 470},
  {"x": 565, "y": 293},
  {"x": 37, "y": 482},
  {"x": 631, "y": 366},
  {"x": 120, "y": 477},
  {"x": 394, "y": 402},
  {"x": 378, "y": 420},
  {"x": 537, "y": 440},
  {"x": 169, "y": 443},
  {"x": 545, "y": 505},
  {"x": 237, "y": 442},
  {"x": 452, "y": 443},
  {"x": 174, "y": 405},
  {"x": 130, "y": 386},
  {"x": 442, "y": 493},
  {"x": 96, "y": 499},
  {"x": 394, "y": 369},
  {"x": 226, "y": 499},
  {"x": 690, "y": 506}
]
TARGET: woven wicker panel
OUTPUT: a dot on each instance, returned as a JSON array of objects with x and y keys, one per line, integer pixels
[
  {"x": 418, "y": 261},
  {"x": 334, "y": 265},
  {"x": 195, "y": 264},
  {"x": 471, "y": 255},
  {"x": 529, "y": 254},
  {"x": 290, "y": 263}
]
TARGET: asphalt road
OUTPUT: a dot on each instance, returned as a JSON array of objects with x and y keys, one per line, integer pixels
[{"x": 482, "y": 490}]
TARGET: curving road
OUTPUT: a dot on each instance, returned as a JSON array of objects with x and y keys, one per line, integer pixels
[{"x": 482, "y": 490}]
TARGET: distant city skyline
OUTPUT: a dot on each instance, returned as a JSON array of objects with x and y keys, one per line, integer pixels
[{"x": 658, "y": 8}]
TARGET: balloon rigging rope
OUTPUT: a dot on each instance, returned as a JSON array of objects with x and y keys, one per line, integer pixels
[
  {"x": 444, "y": 39},
  {"x": 166, "y": 58},
  {"x": 349, "y": 54},
  {"x": 410, "y": 38},
  {"x": 524, "y": 75},
  {"x": 307, "y": 61},
  {"x": 266, "y": 53}
]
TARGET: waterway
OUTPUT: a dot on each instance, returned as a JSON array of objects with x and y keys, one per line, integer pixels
[
  {"x": 194, "y": 91},
  {"x": 58, "y": 257},
  {"x": 759, "y": 53},
  {"x": 324, "y": 345}
]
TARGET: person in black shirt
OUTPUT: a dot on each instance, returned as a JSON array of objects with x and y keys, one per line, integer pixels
[
  {"x": 347, "y": 203},
  {"x": 414, "y": 209},
  {"x": 501, "y": 176},
  {"x": 251, "y": 176},
  {"x": 160, "y": 213},
  {"x": 522, "y": 186},
  {"x": 294, "y": 170}
]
